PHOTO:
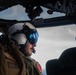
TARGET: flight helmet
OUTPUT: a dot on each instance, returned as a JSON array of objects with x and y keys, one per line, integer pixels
[{"x": 22, "y": 33}]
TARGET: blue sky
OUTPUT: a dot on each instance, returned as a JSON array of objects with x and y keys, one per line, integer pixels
[
  {"x": 52, "y": 41},
  {"x": 18, "y": 12}
]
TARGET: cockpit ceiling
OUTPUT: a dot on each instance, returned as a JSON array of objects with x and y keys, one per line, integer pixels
[{"x": 33, "y": 7}]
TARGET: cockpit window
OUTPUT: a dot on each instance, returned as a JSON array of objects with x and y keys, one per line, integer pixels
[{"x": 52, "y": 40}]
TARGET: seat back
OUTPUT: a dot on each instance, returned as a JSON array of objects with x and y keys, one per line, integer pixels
[
  {"x": 68, "y": 61},
  {"x": 64, "y": 65},
  {"x": 52, "y": 67}
]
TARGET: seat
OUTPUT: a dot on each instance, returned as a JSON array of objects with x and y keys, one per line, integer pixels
[
  {"x": 64, "y": 65},
  {"x": 53, "y": 67}
]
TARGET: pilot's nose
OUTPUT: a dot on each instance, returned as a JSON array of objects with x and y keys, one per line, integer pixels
[{"x": 34, "y": 45}]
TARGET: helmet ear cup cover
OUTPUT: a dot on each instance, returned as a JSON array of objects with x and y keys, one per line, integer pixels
[{"x": 20, "y": 38}]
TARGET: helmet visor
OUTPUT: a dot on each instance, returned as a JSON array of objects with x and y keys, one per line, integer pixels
[{"x": 33, "y": 38}]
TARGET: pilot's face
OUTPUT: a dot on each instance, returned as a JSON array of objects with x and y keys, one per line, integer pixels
[{"x": 29, "y": 49}]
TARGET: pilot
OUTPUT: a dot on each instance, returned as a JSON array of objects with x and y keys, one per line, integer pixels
[
  {"x": 26, "y": 36},
  {"x": 11, "y": 60}
]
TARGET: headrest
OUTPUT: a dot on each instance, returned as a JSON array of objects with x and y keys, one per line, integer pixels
[{"x": 64, "y": 65}]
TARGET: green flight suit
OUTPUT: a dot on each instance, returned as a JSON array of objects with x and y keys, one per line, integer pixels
[{"x": 32, "y": 66}]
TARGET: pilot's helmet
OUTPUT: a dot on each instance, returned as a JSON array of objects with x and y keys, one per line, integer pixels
[{"x": 23, "y": 32}]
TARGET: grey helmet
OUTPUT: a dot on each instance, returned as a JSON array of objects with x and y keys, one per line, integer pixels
[{"x": 23, "y": 32}]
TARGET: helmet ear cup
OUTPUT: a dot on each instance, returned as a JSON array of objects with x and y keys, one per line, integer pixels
[{"x": 20, "y": 38}]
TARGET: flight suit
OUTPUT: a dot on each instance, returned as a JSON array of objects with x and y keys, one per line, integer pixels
[
  {"x": 32, "y": 66},
  {"x": 11, "y": 61}
]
